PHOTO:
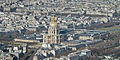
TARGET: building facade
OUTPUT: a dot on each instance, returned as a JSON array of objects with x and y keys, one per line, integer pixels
[{"x": 53, "y": 35}]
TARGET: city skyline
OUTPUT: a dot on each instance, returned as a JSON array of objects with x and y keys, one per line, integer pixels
[{"x": 59, "y": 29}]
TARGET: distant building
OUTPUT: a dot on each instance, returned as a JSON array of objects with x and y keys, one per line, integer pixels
[
  {"x": 52, "y": 36},
  {"x": 29, "y": 38},
  {"x": 5, "y": 56},
  {"x": 7, "y": 9},
  {"x": 92, "y": 35}
]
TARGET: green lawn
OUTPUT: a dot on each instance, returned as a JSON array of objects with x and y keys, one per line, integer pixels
[{"x": 110, "y": 28}]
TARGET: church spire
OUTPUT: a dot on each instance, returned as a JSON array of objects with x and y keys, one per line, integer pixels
[
  {"x": 53, "y": 19},
  {"x": 53, "y": 23}
]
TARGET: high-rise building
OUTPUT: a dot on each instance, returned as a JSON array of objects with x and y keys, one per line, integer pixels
[{"x": 53, "y": 35}]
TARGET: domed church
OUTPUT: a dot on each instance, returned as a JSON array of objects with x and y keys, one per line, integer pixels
[{"x": 53, "y": 35}]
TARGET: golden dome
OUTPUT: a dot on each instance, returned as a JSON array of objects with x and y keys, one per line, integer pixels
[
  {"x": 53, "y": 23},
  {"x": 53, "y": 19}
]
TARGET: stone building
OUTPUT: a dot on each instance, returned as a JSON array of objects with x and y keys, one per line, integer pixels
[{"x": 53, "y": 35}]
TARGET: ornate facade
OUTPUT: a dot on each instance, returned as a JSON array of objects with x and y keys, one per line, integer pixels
[{"x": 53, "y": 35}]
